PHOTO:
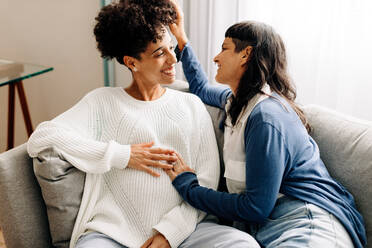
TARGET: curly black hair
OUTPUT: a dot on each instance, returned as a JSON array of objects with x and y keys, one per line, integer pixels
[{"x": 125, "y": 28}]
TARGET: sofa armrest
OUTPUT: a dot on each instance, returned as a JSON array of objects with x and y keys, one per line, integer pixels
[{"x": 22, "y": 210}]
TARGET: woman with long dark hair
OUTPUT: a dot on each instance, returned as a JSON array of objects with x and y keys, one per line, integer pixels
[{"x": 279, "y": 190}]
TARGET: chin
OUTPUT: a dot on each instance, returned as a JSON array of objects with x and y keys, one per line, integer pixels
[
  {"x": 168, "y": 80},
  {"x": 218, "y": 80}
]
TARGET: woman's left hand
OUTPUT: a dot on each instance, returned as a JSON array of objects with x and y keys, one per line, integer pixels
[
  {"x": 178, "y": 167},
  {"x": 156, "y": 241},
  {"x": 178, "y": 28}
]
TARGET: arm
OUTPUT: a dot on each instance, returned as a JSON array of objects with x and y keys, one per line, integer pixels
[
  {"x": 75, "y": 136},
  {"x": 214, "y": 95},
  {"x": 266, "y": 157},
  {"x": 71, "y": 134},
  {"x": 180, "y": 221}
]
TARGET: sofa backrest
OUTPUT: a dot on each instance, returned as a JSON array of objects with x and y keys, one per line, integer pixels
[{"x": 345, "y": 145}]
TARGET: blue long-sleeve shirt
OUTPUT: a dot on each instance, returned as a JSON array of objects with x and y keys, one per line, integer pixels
[{"x": 280, "y": 158}]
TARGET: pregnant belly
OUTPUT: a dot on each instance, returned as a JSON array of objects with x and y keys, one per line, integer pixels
[{"x": 147, "y": 196}]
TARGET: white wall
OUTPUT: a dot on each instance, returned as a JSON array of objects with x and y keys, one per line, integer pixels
[
  {"x": 53, "y": 33},
  {"x": 328, "y": 45},
  {"x": 123, "y": 76}
]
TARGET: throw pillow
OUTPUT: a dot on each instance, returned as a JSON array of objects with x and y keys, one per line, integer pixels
[{"x": 62, "y": 189}]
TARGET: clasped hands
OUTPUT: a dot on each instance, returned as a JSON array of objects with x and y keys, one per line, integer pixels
[{"x": 143, "y": 157}]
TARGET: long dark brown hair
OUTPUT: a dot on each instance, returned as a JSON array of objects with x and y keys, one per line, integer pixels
[{"x": 267, "y": 63}]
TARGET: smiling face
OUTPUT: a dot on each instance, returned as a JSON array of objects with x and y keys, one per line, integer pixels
[
  {"x": 231, "y": 64},
  {"x": 156, "y": 64}
]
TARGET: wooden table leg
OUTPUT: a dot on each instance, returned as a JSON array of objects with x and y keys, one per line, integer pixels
[
  {"x": 11, "y": 116},
  {"x": 24, "y": 106},
  {"x": 11, "y": 110}
]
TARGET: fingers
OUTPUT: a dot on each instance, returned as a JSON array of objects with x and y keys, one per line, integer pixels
[
  {"x": 148, "y": 242},
  {"x": 179, "y": 157},
  {"x": 172, "y": 175},
  {"x": 159, "y": 241},
  {"x": 168, "y": 158},
  {"x": 158, "y": 164},
  {"x": 180, "y": 166},
  {"x": 143, "y": 157},
  {"x": 144, "y": 145},
  {"x": 159, "y": 150},
  {"x": 177, "y": 7},
  {"x": 156, "y": 150},
  {"x": 148, "y": 170},
  {"x": 148, "y": 144}
]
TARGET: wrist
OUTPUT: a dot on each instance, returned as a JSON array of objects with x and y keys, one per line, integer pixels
[
  {"x": 165, "y": 238},
  {"x": 181, "y": 41}
]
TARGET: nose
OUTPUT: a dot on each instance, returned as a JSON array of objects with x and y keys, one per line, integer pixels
[
  {"x": 172, "y": 57},
  {"x": 215, "y": 59}
]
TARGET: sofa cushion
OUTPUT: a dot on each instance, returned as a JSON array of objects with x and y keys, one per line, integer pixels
[
  {"x": 345, "y": 145},
  {"x": 22, "y": 210},
  {"x": 217, "y": 116},
  {"x": 62, "y": 189}
]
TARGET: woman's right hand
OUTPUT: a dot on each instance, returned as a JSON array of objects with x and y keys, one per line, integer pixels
[
  {"x": 142, "y": 156},
  {"x": 178, "y": 28},
  {"x": 179, "y": 167}
]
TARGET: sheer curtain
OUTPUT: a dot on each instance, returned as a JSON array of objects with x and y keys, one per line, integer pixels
[{"x": 329, "y": 44}]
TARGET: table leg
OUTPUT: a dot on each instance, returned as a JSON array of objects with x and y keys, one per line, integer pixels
[
  {"x": 11, "y": 99},
  {"x": 24, "y": 106}
]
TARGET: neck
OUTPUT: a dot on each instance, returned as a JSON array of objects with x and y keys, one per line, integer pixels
[
  {"x": 235, "y": 81},
  {"x": 145, "y": 92},
  {"x": 234, "y": 87}
]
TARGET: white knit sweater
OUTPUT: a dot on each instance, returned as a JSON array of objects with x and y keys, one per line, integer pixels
[{"x": 126, "y": 204}]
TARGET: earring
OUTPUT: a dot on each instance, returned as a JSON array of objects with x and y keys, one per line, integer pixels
[{"x": 134, "y": 69}]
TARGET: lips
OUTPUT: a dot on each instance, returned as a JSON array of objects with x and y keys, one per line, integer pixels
[{"x": 170, "y": 71}]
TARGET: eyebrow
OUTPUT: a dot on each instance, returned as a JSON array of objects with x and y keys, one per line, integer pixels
[{"x": 156, "y": 50}]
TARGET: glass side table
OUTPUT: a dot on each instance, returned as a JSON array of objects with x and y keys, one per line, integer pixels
[{"x": 12, "y": 74}]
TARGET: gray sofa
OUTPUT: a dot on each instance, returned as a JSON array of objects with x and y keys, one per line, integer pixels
[{"x": 345, "y": 146}]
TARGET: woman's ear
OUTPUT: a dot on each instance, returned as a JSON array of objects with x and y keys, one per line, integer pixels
[
  {"x": 246, "y": 53},
  {"x": 130, "y": 63}
]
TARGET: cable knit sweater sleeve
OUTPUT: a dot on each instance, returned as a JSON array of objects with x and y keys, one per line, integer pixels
[
  {"x": 72, "y": 134},
  {"x": 181, "y": 221}
]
